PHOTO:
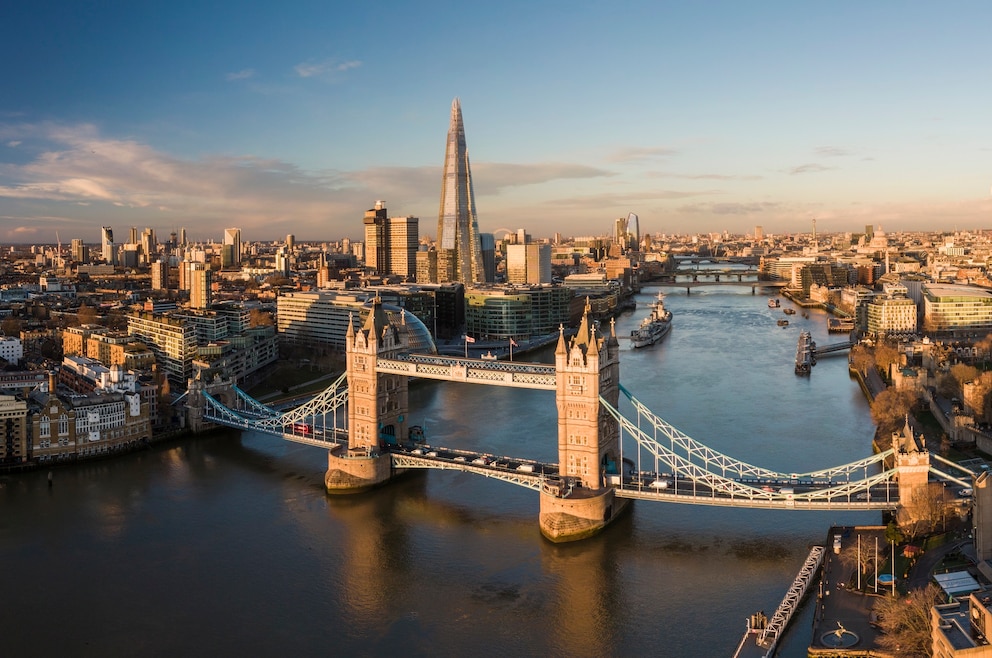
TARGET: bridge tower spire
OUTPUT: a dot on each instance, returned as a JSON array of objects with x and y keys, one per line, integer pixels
[
  {"x": 377, "y": 405},
  {"x": 587, "y": 367}
]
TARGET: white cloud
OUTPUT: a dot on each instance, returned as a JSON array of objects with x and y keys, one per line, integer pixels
[
  {"x": 324, "y": 69},
  {"x": 14, "y": 143},
  {"x": 243, "y": 74}
]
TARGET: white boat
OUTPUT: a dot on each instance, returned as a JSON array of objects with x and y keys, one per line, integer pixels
[
  {"x": 774, "y": 303},
  {"x": 654, "y": 327}
]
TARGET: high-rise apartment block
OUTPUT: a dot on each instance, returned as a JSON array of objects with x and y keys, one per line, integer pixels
[
  {"x": 199, "y": 279},
  {"x": 459, "y": 250}
]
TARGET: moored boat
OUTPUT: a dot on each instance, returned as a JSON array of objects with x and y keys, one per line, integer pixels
[
  {"x": 654, "y": 327},
  {"x": 774, "y": 303}
]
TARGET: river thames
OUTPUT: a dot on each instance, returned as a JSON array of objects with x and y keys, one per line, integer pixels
[{"x": 227, "y": 544}]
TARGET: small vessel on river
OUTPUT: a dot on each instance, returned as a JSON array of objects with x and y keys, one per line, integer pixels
[
  {"x": 654, "y": 327},
  {"x": 774, "y": 303}
]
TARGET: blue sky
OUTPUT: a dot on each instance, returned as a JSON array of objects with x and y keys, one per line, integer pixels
[{"x": 296, "y": 117}]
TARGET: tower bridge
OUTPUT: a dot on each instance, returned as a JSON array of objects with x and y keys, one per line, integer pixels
[{"x": 611, "y": 448}]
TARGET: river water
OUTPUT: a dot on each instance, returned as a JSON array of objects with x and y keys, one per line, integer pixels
[{"x": 228, "y": 544}]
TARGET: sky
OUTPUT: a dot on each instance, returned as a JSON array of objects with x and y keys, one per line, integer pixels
[{"x": 296, "y": 117}]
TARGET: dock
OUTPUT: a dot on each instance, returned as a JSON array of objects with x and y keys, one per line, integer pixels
[{"x": 762, "y": 635}]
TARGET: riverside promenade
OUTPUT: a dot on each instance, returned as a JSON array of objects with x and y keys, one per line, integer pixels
[{"x": 842, "y": 620}]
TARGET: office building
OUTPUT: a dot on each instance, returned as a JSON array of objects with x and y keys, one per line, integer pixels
[
  {"x": 376, "y": 238},
  {"x": 391, "y": 243},
  {"x": 79, "y": 252},
  {"x": 107, "y": 245},
  {"x": 891, "y": 313},
  {"x": 952, "y": 308},
  {"x": 519, "y": 312},
  {"x": 231, "y": 254},
  {"x": 459, "y": 249},
  {"x": 404, "y": 242},
  {"x": 528, "y": 263},
  {"x": 322, "y": 319}
]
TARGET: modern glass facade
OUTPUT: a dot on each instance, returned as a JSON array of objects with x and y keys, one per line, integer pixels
[
  {"x": 519, "y": 312},
  {"x": 949, "y": 307},
  {"x": 321, "y": 318},
  {"x": 459, "y": 248}
]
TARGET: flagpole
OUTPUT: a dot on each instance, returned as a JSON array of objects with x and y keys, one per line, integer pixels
[
  {"x": 511, "y": 349},
  {"x": 466, "y": 346}
]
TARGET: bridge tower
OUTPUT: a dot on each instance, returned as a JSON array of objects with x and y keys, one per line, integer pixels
[
  {"x": 580, "y": 503},
  {"x": 377, "y": 406},
  {"x": 912, "y": 461}
]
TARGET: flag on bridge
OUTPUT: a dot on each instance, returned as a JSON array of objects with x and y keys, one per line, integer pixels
[
  {"x": 469, "y": 339},
  {"x": 513, "y": 343}
]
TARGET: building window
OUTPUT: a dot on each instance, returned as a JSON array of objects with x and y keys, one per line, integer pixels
[
  {"x": 45, "y": 427},
  {"x": 63, "y": 425}
]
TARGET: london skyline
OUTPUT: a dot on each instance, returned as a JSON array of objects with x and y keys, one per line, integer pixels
[{"x": 296, "y": 119}]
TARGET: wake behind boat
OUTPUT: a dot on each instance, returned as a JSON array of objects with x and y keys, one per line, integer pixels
[{"x": 654, "y": 327}]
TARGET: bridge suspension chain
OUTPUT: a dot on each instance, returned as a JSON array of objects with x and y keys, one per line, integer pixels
[
  {"x": 749, "y": 485},
  {"x": 724, "y": 463}
]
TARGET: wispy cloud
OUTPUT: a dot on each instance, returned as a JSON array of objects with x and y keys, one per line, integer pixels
[
  {"x": 731, "y": 208},
  {"x": 14, "y": 143},
  {"x": 640, "y": 154},
  {"x": 721, "y": 177},
  {"x": 243, "y": 74},
  {"x": 832, "y": 151},
  {"x": 811, "y": 168},
  {"x": 324, "y": 69}
]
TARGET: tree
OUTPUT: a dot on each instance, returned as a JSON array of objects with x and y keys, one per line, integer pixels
[
  {"x": 259, "y": 318},
  {"x": 963, "y": 373},
  {"x": 889, "y": 410},
  {"x": 893, "y": 534},
  {"x": 929, "y": 509},
  {"x": 863, "y": 560},
  {"x": 11, "y": 326},
  {"x": 984, "y": 347},
  {"x": 86, "y": 314},
  {"x": 886, "y": 355},
  {"x": 862, "y": 359},
  {"x": 905, "y": 622}
]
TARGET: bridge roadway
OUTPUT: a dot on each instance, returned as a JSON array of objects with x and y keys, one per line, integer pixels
[{"x": 645, "y": 485}]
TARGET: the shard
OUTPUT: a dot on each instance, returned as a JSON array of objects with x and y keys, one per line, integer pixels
[{"x": 459, "y": 249}]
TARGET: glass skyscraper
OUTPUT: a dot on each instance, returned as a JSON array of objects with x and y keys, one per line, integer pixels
[{"x": 459, "y": 255}]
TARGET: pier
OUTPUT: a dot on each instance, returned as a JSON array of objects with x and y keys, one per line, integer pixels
[{"x": 762, "y": 635}]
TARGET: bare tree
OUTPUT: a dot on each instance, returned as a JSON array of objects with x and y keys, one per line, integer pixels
[
  {"x": 259, "y": 318},
  {"x": 905, "y": 622},
  {"x": 886, "y": 355},
  {"x": 889, "y": 410},
  {"x": 86, "y": 315},
  {"x": 929, "y": 507},
  {"x": 863, "y": 560},
  {"x": 862, "y": 359},
  {"x": 11, "y": 326}
]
